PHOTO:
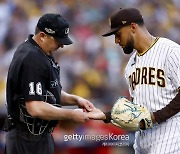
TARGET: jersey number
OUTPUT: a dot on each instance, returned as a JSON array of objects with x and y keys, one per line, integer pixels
[{"x": 35, "y": 88}]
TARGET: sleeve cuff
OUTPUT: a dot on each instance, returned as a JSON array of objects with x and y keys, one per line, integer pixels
[{"x": 108, "y": 117}]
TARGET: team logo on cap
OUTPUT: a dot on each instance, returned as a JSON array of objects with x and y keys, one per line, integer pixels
[
  {"x": 50, "y": 31},
  {"x": 123, "y": 22},
  {"x": 66, "y": 31},
  {"x": 110, "y": 21}
]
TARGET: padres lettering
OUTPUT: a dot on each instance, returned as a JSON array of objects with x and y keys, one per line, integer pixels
[{"x": 147, "y": 75}]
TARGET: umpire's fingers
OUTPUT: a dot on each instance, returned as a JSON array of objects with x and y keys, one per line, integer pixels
[{"x": 89, "y": 106}]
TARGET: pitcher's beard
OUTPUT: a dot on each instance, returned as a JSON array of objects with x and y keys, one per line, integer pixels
[{"x": 128, "y": 49}]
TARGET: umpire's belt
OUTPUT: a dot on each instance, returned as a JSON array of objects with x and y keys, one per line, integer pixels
[
  {"x": 25, "y": 133},
  {"x": 30, "y": 136}
]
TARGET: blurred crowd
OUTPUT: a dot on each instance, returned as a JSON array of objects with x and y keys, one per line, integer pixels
[{"x": 93, "y": 66}]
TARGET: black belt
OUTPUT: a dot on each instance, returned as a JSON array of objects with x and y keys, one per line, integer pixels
[
  {"x": 23, "y": 131},
  {"x": 29, "y": 135}
]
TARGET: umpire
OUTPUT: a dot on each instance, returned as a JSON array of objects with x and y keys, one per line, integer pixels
[{"x": 34, "y": 91}]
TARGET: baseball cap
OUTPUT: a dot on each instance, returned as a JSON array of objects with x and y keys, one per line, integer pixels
[
  {"x": 56, "y": 26},
  {"x": 123, "y": 18}
]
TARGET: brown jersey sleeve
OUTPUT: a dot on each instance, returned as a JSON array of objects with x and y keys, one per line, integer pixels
[
  {"x": 108, "y": 117},
  {"x": 169, "y": 110}
]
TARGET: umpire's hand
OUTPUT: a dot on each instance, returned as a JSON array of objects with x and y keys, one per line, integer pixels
[
  {"x": 79, "y": 116},
  {"x": 85, "y": 104}
]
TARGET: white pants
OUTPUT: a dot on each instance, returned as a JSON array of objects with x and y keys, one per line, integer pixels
[{"x": 161, "y": 139}]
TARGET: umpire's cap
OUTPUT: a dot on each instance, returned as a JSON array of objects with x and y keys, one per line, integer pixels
[
  {"x": 56, "y": 26},
  {"x": 122, "y": 18}
]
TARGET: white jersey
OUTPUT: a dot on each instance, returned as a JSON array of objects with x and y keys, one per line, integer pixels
[{"x": 154, "y": 80}]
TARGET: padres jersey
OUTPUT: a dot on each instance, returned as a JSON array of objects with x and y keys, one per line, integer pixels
[
  {"x": 154, "y": 77},
  {"x": 31, "y": 73},
  {"x": 154, "y": 80}
]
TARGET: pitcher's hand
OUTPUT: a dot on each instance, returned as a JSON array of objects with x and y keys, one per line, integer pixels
[{"x": 96, "y": 114}]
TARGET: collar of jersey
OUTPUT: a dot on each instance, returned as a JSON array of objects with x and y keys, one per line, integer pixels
[
  {"x": 33, "y": 42},
  {"x": 141, "y": 54}
]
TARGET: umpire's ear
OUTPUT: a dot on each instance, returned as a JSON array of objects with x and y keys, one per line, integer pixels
[{"x": 42, "y": 36}]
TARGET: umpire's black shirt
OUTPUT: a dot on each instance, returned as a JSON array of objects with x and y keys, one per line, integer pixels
[{"x": 30, "y": 74}]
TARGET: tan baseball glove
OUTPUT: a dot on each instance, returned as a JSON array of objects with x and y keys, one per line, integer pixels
[{"x": 128, "y": 116}]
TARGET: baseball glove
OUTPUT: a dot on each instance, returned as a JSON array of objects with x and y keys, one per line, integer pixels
[{"x": 128, "y": 116}]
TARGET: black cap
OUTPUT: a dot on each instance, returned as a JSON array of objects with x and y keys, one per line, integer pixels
[
  {"x": 123, "y": 18},
  {"x": 56, "y": 26}
]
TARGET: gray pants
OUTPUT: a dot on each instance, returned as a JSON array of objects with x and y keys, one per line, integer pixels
[{"x": 21, "y": 143}]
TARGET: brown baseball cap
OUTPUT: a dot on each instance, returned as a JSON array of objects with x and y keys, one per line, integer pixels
[{"x": 123, "y": 18}]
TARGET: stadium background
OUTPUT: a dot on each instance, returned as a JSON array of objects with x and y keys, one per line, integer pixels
[{"x": 92, "y": 67}]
